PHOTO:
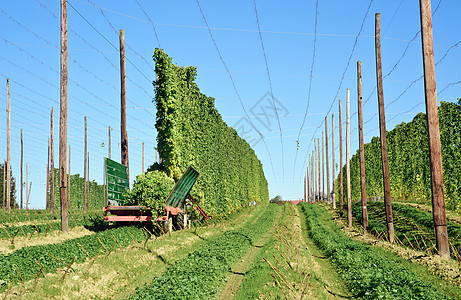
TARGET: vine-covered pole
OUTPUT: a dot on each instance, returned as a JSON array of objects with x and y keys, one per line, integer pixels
[
  {"x": 63, "y": 122},
  {"x": 47, "y": 192},
  {"x": 104, "y": 182},
  {"x": 142, "y": 158},
  {"x": 323, "y": 168},
  {"x": 315, "y": 170},
  {"x": 361, "y": 147},
  {"x": 27, "y": 190},
  {"x": 308, "y": 185},
  {"x": 435, "y": 157},
  {"x": 312, "y": 177},
  {"x": 382, "y": 129},
  {"x": 327, "y": 159},
  {"x": 348, "y": 155},
  {"x": 22, "y": 162},
  {"x": 8, "y": 147},
  {"x": 341, "y": 184},
  {"x": 51, "y": 201},
  {"x": 333, "y": 150},
  {"x": 305, "y": 187},
  {"x": 4, "y": 178},
  {"x": 84, "y": 168},
  {"x": 88, "y": 182},
  {"x": 124, "y": 136}
]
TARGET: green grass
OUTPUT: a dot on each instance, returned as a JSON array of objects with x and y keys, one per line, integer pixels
[{"x": 371, "y": 272}]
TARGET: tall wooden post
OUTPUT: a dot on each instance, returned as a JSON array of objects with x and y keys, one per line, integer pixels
[
  {"x": 361, "y": 147},
  {"x": 51, "y": 202},
  {"x": 27, "y": 190},
  {"x": 333, "y": 150},
  {"x": 124, "y": 137},
  {"x": 84, "y": 168},
  {"x": 315, "y": 171},
  {"x": 4, "y": 181},
  {"x": 104, "y": 181},
  {"x": 47, "y": 178},
  {"x": 435, "y": 157},
  {"x": 68, "y": 184},
  {"x": 327, "y": 159},
  {"x": 308, "y": 185},
  {"x": 341, "y": 184},
  {"x": 88, "y": 183},
  {"x": 63, "y": 121},
  {"x": 320, "y": 168},
  {"x": 22, "y": 162},
  {"x": 382, "y": 129},
  {"x": 305, "y": 187},
  {"x": 348, "y": 155},
  {"x": 313, "y": 176},
  {"x": 323, "y": 168},
  {"x": 109, "y": 142},
  {"x": 8, "y": 147},
  {"x": 142, "y": 158}
]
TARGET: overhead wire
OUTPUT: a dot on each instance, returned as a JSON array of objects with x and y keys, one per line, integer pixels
[
  {"x": 270, "y": 88},
  {"x": 235, "y": 88}
]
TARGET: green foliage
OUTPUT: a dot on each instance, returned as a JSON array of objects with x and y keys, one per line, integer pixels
[
  {"x": 150, "y": 189},
  {"x": 12, "y": 187},
  {"x": 191, "y": 132},
  {"x": 49, "y": 224},
  {"x": 95, "y": 196},
  {"x": 198, "y": 275},
  {"x": 408, "y": 156},
  {"x": 369, "y": 272},
  {"x": 24, "y": 258}
]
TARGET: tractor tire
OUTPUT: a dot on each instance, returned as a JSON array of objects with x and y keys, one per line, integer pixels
[{"x": 181, "y": 220}]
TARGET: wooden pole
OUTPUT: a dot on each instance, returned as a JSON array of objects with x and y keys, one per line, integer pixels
[
  {"x": 305, "y": 187},
  {"x": 348, "y": 155},
  {"x": 327, "y": 159},
  {"x": 142, "y": 158},
  {"x": 308, "y": 185},
  {"x": 323, "y": 168},
  {"x": 88, "y": 183},
  {"x": 320, "y": 168},
  {"x": 8, "y": 147},
  {"x": 28, "y": 195},
  {"x": 315, "y": 171},
  {"x": 47, "y": 178},
  {"x": 333, "y": 150},
  {"x": 4, "y": 181},
  {"x": 109, "y": 142},
  {"x": 68, "y": 183},
  {"x": 382, "y": 128},
  {"x": 51, "y": 201},
  {"x": 341, "y": 184},
  {"x": 124, "y": 137},
  {"x": 104, "y": 181},
  {"x": 22, "y": 162},
  {"x": 362, "y": 148},
  {"x": 435, "y": 158},
  {"x": 27, "y": 191},
  {"x": 84, "y": 168},
  {"x": 63, "y": 122}
]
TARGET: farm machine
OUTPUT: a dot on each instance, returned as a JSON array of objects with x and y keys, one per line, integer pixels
[{"x": 175, "y": 210}]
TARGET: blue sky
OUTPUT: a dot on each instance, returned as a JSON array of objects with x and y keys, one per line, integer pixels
[{"x": 29, "y": 56}]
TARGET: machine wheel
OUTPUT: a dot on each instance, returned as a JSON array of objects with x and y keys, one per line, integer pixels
[
  {"x": 168, "y": 225},
  {"x": 181, "y": 220}
]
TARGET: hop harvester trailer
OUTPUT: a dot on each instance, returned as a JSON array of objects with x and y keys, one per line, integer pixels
[{"x": 175, "y": 214}]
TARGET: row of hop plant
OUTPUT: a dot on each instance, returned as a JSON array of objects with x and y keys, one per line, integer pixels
[{"x": 368, "y": 272}]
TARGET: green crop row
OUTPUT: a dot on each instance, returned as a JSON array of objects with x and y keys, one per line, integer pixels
[
  {"x": 191, "y": 131},
  {"x": 90, "y": 219},
  {"x": 409, "y": 167},
  {"x": 26, "y": 261},
  {"x": 198, "y": 276},
  {"x": 39, "y": 215},
  {"x": 413, "y": 227},
  {"x": 369, "y": 272}
]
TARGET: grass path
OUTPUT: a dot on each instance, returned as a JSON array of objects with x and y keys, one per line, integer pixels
[{"x": 116, "y": 276}]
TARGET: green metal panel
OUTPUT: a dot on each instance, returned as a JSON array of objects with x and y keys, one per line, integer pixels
[
  {"x": 116, "y": 182},
  {"x": 179, "y": 192}
]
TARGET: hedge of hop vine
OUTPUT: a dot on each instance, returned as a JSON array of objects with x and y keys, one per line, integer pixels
[
  {"x": 408, "y": 154},
  {"x": 191, "y": 132}
]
